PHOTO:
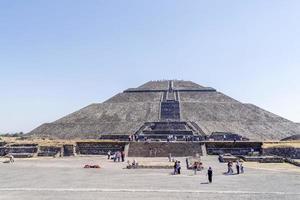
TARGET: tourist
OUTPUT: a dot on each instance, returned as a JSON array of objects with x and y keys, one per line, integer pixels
[
  {"x": 195, "y": 166},
  {"x": 134, "y": 163},
  {"x": 123, "y": 156},
  {"x": 237, "y": 167},
  {"x": 175, "y": 167},
  {"x": 178, "y": 168},
  {"x": 242, "y": 168},
  {"x": 118, "y": 154},
  {"x": 11, "y": 158},
  {"x": 108, "y": 155},
  {"x": 128, "y": 164},
  {"x": 115, "y": 156},
  {"x": 187, "y": 163},
  {"x": 210, "y": 174},
  {"x": 221, "y": 159},
  {"x": 229, "y": 165}
]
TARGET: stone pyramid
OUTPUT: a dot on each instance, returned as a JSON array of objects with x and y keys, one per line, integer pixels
[{"x": 169, "y": 107}]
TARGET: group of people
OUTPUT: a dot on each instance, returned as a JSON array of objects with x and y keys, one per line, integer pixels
[
  {"x": 197, "y": 166},
  {"x": 209, "y": 174},
  {"x": 117, "y": 156},
  {"x": 184, "y": 138},
  {"x": 134, "y": 164},
  {"x": 171, "y": 138},
  {"x": 238, "y": 165}
]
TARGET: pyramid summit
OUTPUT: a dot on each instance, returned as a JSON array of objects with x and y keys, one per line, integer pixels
[{"x": 158, "y": 109}]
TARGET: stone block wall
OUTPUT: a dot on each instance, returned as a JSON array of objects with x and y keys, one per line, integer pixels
[
  {"x": 162, "y": 149},
  {"x": 20, "y": 150},
  {"x": 99, "y": 148},
  {"x": 49, "y": 151},
  {"x": 287, "y": 152},
  {"x": 2, "y": 151},
  {"x": 234, "y": 148}
]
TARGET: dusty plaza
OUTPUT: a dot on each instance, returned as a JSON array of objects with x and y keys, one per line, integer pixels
[{"x": 65, "y": 178}]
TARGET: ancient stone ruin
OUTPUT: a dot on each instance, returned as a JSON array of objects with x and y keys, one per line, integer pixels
[{"x": 182, "y": 109}]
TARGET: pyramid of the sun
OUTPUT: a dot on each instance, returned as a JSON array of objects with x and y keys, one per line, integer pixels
[{"x": 204, "y": 110}]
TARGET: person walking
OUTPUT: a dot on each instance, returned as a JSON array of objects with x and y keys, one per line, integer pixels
[
  {"x": 178, "y": 167},
  {"x": 108, "y": 155},
  {"x": 195, "y": 166},
  {"x": 242, "y": 168},
  {"x": 118, "y": 156},
  {"x": 123, "y": 156},
  {"x": 187, "y": 163},
  {"x": 230, "y": 170},
  {"x": 210, "y": 174},
  {"x": 237, "y": 167},
  {"x": 115, "y": 156},
  {"x": 175, "y": 167}
]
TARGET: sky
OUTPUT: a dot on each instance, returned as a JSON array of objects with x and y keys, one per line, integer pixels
[{"x": 61, "y": 55}]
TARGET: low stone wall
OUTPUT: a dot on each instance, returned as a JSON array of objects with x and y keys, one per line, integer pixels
[
  {"x": 49, "y": 151},
  {"x": 19, "y": 150},
  {"x": 99, "y": 148},
  {"x": 234, "y": 148},
  {"x": 288, "y": 152},
  {"x": 3, "y": 151},
  {"x": 162, "y": 149},
  {"x": 293, "y": 162}
]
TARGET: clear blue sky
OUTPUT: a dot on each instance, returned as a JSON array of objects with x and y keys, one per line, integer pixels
[{"x": 58, "y": 56}]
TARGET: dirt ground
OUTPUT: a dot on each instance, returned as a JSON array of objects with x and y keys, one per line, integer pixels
[{"x": 65, "y": 178}]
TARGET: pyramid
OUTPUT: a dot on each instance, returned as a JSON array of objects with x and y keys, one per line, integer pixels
[{"x": 160, "y": 108}]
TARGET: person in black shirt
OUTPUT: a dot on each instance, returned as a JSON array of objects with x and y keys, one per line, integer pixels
[
  {"x": 210, "y": 174},
  {"x": 237, "y": 167}
]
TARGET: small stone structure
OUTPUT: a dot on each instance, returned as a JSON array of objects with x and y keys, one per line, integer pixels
[
  {"x": 263, "y": 159},
  {"x": 234, "y": 148},
  {"x": 162, "y": 149},
  {"x": 50, "y": 151},
  {"x": 21, "y": 150},
  {"x": 287, "y": 152},
  {"x": 69, "y": 150},
  {"x": 227, "y": 136},
  {"x": 99, "y": 148}
]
